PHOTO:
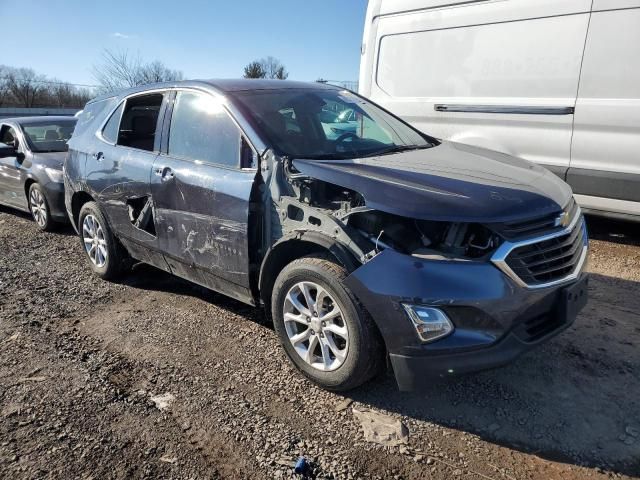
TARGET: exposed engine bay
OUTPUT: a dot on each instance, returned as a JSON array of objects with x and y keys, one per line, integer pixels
[{"x": 435, "y": 240}]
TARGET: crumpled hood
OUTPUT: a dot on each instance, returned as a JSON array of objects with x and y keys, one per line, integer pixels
[{"x": 449, "y": 182}]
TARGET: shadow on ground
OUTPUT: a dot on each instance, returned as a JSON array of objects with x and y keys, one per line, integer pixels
[
  {"x": 574, "y": 399},
  {"x": 617, "y": 231}
]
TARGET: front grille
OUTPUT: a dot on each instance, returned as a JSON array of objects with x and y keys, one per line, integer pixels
[
  {"x": 533, "y": 226},
  {"x": 548, "y": 260}
]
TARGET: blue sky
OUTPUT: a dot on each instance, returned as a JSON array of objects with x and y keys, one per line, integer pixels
[{"x": 204, "y": 39}]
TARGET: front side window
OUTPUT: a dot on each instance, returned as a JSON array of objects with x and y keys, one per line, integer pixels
[
  {"x": 7, "y": 135},
  {"x": 201, "y": 129},
  {"x": 326, "y": 124},
  {"x": 48, "y": 135}
]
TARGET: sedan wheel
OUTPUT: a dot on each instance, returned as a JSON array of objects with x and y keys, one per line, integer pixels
[
  {"x": 38, "y": 207},
  {"x": 315, "y": 326},
  {"x": 94, "y": 241}
]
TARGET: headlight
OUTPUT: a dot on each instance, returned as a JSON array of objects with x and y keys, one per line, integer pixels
[
  {"x": 54, "y": 174},
  {"x": 430, "y": 323}
]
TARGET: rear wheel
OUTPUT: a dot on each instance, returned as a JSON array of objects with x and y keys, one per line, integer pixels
[
  {"x": 39, "y": 208},
  {"x": 106, "y": 257},
  {"x": 325, "y": 332}
]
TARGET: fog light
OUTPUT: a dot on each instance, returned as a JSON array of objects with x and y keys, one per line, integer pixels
[{"x": 430, "y": 323}]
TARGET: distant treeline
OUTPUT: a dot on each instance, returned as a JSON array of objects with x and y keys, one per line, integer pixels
[{"x": 24, "y": 88}]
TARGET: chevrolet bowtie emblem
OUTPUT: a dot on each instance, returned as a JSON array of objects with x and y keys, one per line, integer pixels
[{"x": 563, "y": 220}]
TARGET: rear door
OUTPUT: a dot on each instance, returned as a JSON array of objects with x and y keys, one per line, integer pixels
[
  {"x": 201, "y": 194},
  {"x": 119, "y": 170},
  {"x": 497, "y": 74},
  {"x": 605, "y": 153}
]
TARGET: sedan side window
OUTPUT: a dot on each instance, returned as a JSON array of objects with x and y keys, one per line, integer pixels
[
  {"x": 7, "y": 135},
  {"x": 201, "y": 129}
]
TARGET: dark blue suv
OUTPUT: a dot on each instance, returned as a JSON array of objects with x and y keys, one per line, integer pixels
[{"x": 373, "y": 242}]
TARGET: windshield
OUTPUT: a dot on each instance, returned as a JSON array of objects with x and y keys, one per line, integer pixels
[
  {"x": 48, "y": 135},
  {"x": 324, "y": 124}
]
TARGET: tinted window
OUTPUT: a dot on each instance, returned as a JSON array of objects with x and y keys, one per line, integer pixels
[
  {"x": 201, "y": 129},
  {"x": 110, "y": 131},
  {"x": 140, "y": 121}
]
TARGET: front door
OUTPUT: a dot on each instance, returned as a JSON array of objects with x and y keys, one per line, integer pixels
[
  {"x": 11, "y": 187},
  {"x": 119, "y": 170},
  {"x": 201, "y": 196}
]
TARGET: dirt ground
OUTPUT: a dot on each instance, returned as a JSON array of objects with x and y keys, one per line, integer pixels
[{"x": 82, "y": 361}]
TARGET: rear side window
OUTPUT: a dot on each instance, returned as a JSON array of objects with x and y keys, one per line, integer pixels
[
  {"x": 138, "y": 122},
  {"x": 111, "y": 129},
  {"x": 201, "y": 129}
]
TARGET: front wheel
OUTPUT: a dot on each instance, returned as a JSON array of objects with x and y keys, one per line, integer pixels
[
  {"x": 106, "y": 257},
  {"x": 325, "y": 332},
  {"x": 39, "y": 208}
]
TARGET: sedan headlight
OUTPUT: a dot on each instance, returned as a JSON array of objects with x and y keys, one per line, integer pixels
[
  {"x": 54, "y": 174},
  {"x": 430, "y": 323}
]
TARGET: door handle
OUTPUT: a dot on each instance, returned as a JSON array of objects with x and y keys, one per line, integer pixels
[
  {"x": 165, "y": 173},
  {"x": 98, "y": 156}
]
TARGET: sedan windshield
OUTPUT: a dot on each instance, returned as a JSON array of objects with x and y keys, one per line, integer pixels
[
  {"x": 327, "y": 124},
  {"x": 48, "y": 135}
]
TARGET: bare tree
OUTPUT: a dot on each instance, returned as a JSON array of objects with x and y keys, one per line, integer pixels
[
  {"x": 4, "y": 84},
  {"x": 274, "y": 68},
  {"x": 120, "y": 70},
  {"x": 157, "y": 71},
  {"x": 269, "y": 67},
  {"x": 62, "y": 94},
  {"x": 25, "y": 86}
]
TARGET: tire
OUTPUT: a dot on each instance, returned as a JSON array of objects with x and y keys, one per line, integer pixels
[
  {"x": 339, "y": 361},
  {"x": 105, "y": 255},
  {"x": 39, "y": 208}
]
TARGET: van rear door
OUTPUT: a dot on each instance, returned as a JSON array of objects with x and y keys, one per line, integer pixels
[{"x": 500, "y": 75}]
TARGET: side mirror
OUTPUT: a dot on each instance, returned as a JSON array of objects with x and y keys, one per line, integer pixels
[{"x": 7, "y": 151}]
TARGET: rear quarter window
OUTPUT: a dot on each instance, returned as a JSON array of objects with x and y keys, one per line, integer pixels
[{"x": 89, "y": 119}]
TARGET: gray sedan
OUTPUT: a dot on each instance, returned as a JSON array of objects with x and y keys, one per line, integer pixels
[{"x": 32, "y": 152}]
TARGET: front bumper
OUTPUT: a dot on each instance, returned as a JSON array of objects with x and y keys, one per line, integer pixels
[
  {"x": 496, "y": 319},
  {"x": 54, "y": 191}
]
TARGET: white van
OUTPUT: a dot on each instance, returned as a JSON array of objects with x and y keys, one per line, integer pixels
[{"x": 556, "y": 82}]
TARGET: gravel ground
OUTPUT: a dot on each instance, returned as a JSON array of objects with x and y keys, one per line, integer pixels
[{"x": 157, "y": 378}]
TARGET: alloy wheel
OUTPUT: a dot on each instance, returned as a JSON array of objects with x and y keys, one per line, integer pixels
[
  {"x": 315, "y": 326},
  {"x": 94, "y": 241},
  {"x": 38, "y": 207}
]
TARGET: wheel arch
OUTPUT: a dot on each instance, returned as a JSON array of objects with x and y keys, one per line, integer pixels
[
  {"x": 292, "y": 247},
  {"x": 27, "y": 186},
  {"x": 78, "y": 199}
]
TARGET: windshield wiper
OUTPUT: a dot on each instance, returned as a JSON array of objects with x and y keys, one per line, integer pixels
[
  {"x": 323, "y": 156},
  {"x": 397, "y": 149}
]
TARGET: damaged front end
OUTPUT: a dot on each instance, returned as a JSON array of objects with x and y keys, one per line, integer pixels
[{"x": 431, "y": 286}]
